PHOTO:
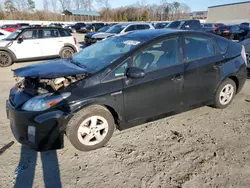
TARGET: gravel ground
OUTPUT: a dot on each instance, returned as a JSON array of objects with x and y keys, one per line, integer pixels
[{"x": 204, "y": 147}]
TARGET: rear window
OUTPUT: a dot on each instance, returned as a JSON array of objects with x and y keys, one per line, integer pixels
[
  {"x": 222, "y": 45},
  {"x": 64, "y": 33},
  {"x": 208, "y": 25},
  {"x": 224, "y": 27}
]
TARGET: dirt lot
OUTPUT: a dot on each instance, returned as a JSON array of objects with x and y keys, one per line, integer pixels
[{"x": 200, "y": 148}]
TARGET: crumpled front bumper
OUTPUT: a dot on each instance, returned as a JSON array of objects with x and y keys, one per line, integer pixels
[{"x": 41, "y": 131}]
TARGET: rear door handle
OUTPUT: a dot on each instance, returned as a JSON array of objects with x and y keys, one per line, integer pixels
[{"x": 177, "y": 78}]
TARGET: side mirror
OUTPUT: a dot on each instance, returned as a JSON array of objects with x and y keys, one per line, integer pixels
[
  {"x": 135, "y": 73},
  {"x": 20, "y": 40}
]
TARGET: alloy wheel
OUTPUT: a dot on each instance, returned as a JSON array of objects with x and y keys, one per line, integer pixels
[
  {"x": 92, "y": 130},
  {"x": 226, "y": 94}
]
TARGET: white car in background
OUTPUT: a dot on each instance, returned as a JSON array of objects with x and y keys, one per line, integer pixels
[
  {"x": 4, "y": 34},
  {"x": 34, "y": 43},
  {"x": 122, "y": 28}
]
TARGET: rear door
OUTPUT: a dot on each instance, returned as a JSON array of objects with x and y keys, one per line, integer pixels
[
  {"x": 160, "y": 91},
  {"x": 202, "y": 69},
  {"x": 52, "y": 42}
]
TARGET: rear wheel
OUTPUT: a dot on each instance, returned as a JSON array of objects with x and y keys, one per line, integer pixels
[
  {"x": 224, "y": 94},
  {"x": 5, "y": 59},
  {"x": 90, "y": 128},
  {"x": 66, "y": 52}
]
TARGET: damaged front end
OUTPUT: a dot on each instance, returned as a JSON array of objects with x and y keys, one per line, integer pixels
[{"x": 38, "y": 110}]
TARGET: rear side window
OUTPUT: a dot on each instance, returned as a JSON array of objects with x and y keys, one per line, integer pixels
[
  {"x": 131, "y": 28},
  {"x": 50, "y": 33},
  {"x": 222, "y": 45},
  {"x": 197, "y": 47},
  {"x": 64, "y": 33},
  {"x": 140, "y": 27}
]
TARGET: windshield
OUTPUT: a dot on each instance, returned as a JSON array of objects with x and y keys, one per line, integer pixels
[
  {"x": 103, "y": 53},
  {"x": 115, "y": 29},
  {"x": 104, "y": 29},
  {"x": 160, "y": 25},
  {"x": 13, "y": 35},
  {"x": 174, "y": 24}
]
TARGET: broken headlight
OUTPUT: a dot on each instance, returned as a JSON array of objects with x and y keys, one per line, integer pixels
[{"x": 44, "y": 102}]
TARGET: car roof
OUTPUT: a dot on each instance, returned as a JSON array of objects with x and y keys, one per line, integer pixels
[
  {"x": 30, "y": 28},
  {"x": 132, "y": 23}
]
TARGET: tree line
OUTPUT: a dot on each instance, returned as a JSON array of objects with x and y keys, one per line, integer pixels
[{"x": 52, "y": 9}]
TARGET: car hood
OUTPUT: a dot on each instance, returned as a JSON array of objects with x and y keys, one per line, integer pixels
[
  {"x": 5, "y": 43},
  {"x": 91, "y": 34},
  {"x": 102, "y": 35},
  {"x": 50, "y": 69}
]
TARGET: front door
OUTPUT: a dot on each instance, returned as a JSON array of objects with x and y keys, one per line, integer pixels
[
  {"x": 160, "y": 91},
  {"x": 29, "y": 47},
  {"x": 202, "y": 69}
]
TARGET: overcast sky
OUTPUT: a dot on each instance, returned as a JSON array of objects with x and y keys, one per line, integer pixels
[{"x": 196, "y": 5}]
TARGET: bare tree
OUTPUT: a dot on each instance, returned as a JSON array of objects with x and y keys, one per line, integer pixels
[
  {"x": 65, "y": 4},
  {"x": 77, "y": 4},
  {"x": 54, "y": 5},
  {"x": 46, "y": 5}
]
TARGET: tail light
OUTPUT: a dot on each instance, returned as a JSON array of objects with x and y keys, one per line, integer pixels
[
  {"x": 227, "y": 31},
  {"x": 243, "y": 54},
  {"x": 75, "y": 40}
]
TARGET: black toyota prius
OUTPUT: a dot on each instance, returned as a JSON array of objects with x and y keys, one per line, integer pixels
[{"x": 122, "y": 82}]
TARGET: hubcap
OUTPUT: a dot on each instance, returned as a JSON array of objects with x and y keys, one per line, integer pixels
[
  {"x": 226, "y": 94},
  {"x": 92, "y": 130},
  {"x": 67, "y": 53},
  {"x": 4, "y": 59}
]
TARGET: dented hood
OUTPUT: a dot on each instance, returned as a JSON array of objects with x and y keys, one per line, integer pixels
[{"x": 50, "y": 69}]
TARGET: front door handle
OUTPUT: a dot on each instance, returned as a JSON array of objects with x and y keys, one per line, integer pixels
[{"x": 177, "y": 78}]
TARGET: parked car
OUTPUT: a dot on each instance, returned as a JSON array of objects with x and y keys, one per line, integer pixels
[
  {"x": 88, "y": 37},
  {"x": 36, "y": 43},
  {"x": 246, "y": 44},
  {"x": 23, "y": 24},
  {"x": 10, "y": 27},
  {"x": 35, "y": 25},
  {"x": 76, "y": 27},
  {"x": 121, "y": 28},
  {"x": 121, "y": 82},
  {"x": 232, "y": 32},
  {"x": 92, "y": 27},
  {"x": 185, "y": 25},
  {"x": 246, "y": 30},
  {"x": 160, "y": 25},
  {"x": 211, "y": 27},
  {"x": 4, "y": 34}
]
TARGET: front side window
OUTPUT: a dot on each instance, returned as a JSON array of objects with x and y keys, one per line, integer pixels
[
  {"x": 29, "y": 34},
  {"x": 198, "y": 48},
  {"x": 50, "y": 33},
  {"x": 159, "y": 55}
]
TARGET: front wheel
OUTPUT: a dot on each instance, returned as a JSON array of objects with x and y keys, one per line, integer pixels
[
  {"x": 5, "y": 59},
  {"x": 91, "y": 128},
  {"x": 224, "y": 94}
]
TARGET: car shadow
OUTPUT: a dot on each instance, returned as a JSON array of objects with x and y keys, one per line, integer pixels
[{"x": 27, "y": 166}]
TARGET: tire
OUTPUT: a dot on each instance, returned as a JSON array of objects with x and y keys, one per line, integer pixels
[
  {"x": 66, "y": 52},
  {"x": 85, "y": 137},
  {"x": 220, "y": 101},
  {"x": 5, "y": 59},
  {"x": 231, "y": 37}
]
